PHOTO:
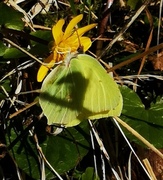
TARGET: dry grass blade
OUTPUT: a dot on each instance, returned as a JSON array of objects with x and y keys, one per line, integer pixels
[
  {"x": 142, "y": 77},
  {"x": 18, "y": 8},
  {"x": 94, "y": 156},
  {"x": 41, "y": 6},
  {"x": 159, "y": 23},
  {"x": 129, "y": 166},
  {"x": 23, "y": 109},
  {"x": 149, "y": 169}
]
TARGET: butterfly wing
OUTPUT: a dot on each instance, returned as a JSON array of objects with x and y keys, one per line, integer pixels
[{"x": 102, "y": 97}]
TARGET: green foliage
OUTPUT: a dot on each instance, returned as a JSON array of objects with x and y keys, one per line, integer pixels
[
  {"x": 2, "y": 48},
  {"x": 147, "y": 122},
  {"x": 10, "y": 18},
  {"x": 6, "y": 85},
  {"x": 89, "y": 174},
  {"x": 134, "y": 4},
  {"x": 155, "y": 21},
  {"x": 73, "y": 7},
  {"x": 13, "y": 53},
  {"x": 39, "y": 48},
  {"x": 42, "y": 34}
]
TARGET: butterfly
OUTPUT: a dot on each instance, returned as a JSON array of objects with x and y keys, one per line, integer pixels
[{"x": 79, "y": 89}]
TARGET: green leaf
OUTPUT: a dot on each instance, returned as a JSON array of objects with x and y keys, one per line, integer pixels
[
  {"x": 89, "y": 174},
  {"x": 46, "y": 35},
  {"x": 133, "y": 107},
  {"x": 155, "y": 20},
  {"x": 147, "y": 122},
  {"x": 134, "y": 4},
  {"x": 7, "y": 87},
  {"x": 63, "y": 151},
  {"x": 2, "y": 48},
  {"x": 11, "y": 53},
  {"x": 6, "y": 84},
  {"x": 77, "y": 90},
  {"x": 10, "y": 18},
  {"x": 40, "y": 48}
]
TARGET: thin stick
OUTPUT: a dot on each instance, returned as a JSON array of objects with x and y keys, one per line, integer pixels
[
  {"x": 159, "y": 24},
  {"x": 150, "y": 50},
  {"x": 26, "y": 52},
  {"x": 7, "y": 95},
  {"x": 94, "y": 156},
  {"x": 144, "y": 58},
  {"x": 23, "y": 109},
  {"x": 23, "y": 50}
]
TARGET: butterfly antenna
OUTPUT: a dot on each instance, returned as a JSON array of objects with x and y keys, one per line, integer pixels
[{"x": 80, "y": 48}]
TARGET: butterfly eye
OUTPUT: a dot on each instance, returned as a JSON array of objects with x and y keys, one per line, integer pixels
[{"x": 80, "y": 49}]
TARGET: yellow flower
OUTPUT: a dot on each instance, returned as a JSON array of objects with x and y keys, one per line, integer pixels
[{"x": 65, "y": 42}]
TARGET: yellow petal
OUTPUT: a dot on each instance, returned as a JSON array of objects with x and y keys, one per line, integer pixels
[
  {"x": 84, "y": 29},
  {"x": 85, "y": 43},
  {"x": 76, "y": 42},
  {"x": 43, "y": 70},
  {"x": 72, "y": 42},
  {"x": 74, "y": 46},
  {"x": 71, "y": 25},
  {"x": 57, "y": 31}
]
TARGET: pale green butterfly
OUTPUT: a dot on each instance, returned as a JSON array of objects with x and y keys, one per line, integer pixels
[{"x": 77, "y": 90}]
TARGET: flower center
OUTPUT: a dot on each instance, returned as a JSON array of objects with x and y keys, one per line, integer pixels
[{"x": 62, "y": 50}]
